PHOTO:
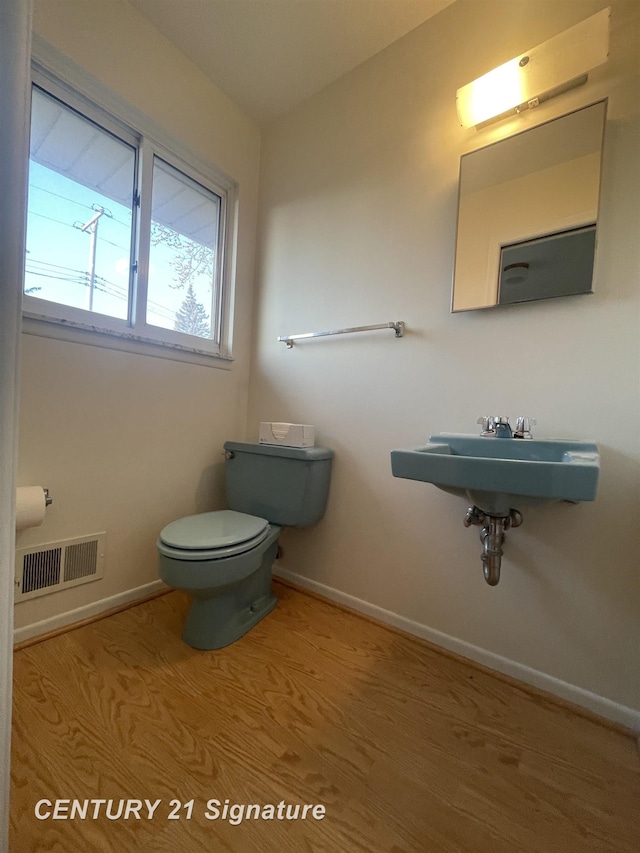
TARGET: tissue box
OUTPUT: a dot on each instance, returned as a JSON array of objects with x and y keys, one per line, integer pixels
[{"x": 288, "y": 435}]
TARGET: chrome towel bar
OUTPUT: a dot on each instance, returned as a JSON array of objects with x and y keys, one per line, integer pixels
[{"x": 397, "y": 327}]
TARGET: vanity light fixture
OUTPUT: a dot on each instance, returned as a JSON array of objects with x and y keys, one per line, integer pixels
[{"x": 551, "y": 68}]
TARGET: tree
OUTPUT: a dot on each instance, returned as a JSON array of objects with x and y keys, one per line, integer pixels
[
  {"x": 191, "y": 316},
  {"x": 191, "y": 259}
]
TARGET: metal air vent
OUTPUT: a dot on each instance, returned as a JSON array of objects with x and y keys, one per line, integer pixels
[{"x": 42, "y": 569}]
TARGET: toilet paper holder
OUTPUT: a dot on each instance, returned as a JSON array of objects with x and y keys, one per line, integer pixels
[{"x": 48, "y": 500}]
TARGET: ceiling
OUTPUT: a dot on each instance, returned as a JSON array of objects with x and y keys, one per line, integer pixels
[{"x": 270, "y": 55}]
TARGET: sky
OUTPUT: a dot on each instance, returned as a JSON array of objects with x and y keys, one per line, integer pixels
[{"x": 57, "y": 264}]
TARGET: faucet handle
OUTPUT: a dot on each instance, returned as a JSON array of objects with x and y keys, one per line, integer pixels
[
  {"x": 488, "y": 424},
  {"x": 523, "y": 427}
]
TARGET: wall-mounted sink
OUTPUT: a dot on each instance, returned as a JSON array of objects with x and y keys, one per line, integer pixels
[{"x": 498, "y": 474}]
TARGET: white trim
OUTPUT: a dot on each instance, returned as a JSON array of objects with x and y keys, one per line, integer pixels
[
  {"x": 625, "y": 716},
  {"x": 37, "y": 629},
  {"x": 45, "y": 327},
  {"x": 15, "y": 45}
]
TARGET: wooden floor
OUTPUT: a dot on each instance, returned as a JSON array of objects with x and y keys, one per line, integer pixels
[{"x": 408, "y": 749}]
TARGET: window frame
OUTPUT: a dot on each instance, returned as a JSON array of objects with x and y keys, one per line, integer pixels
[
  {"x": 149, "y": 155},
  {"x": 110, "y": 113}
]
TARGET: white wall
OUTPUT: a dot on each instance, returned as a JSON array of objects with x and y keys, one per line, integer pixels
[
  {"x": 127, "y": 442},
  {"x": 358, "y": 212}
]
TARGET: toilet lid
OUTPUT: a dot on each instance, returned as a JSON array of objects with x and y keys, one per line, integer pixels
[{"x": 210, "y": 530}]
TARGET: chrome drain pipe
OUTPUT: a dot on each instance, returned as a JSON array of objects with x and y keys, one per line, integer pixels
[{"x": 492, "y": 536}]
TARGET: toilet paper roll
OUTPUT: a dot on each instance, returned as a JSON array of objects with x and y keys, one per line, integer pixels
[{"x": 30, "y": 507}]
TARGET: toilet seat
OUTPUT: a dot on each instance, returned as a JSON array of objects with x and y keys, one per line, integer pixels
[{"x": 212, "y": 535}]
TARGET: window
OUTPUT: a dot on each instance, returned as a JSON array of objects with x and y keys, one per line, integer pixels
[
  {"x": 80, "y": 222},
  {"x": 123, "y": 237},
  {"x": 182, "y": 257}
]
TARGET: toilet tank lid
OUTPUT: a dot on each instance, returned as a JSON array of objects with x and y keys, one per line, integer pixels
[{"x": 306, "y": 453}]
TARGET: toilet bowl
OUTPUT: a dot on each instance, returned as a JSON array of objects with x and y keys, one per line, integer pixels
[{"x": 223, "y": 559}]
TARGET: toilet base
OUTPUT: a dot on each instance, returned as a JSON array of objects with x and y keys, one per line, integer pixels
[
  {"x": 219, "y": 615},
  {"x": 217, "y": 622}
]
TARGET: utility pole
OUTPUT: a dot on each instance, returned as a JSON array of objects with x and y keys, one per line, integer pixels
[{"x": 91, "y": 228}]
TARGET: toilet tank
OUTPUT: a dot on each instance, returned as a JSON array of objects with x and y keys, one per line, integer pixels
[{"x": 286, "y": 485}]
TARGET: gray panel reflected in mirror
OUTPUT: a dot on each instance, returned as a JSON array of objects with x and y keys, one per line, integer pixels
[{"x": 527, "y": 213}]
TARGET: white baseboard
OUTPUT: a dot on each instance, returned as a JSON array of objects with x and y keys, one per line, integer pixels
[
  {"x": 628, "y": 717},
  {"x": 87, "y": 611}
]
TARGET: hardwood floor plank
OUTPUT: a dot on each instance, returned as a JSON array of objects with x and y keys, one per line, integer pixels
[{"x": 409, "y": 750}]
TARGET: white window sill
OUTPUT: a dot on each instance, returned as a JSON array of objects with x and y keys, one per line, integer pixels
[{"x": 63, "y": 330}]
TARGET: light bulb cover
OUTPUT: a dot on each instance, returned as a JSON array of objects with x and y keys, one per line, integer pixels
[{"x": 537, "y": 74}]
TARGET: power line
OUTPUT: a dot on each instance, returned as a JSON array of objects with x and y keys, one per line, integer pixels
[
  {"x": 73, "y": 201},
  {"x": 49, "y": 264},
  {"x": 50, "y": 218},
  {"x": 61, "y": 222},
  {"x": 57, "y": 195},
  {"x": 81, "y": 277},
  {"x": 56, "y": 277}
]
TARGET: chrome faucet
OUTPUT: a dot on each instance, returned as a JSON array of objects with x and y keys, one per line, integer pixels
[
  {"x": 523, "y": 427},
  {"x": 488, "y": 427},
  {"x": 498, "y": 426},
  {"x": 503, "y": 427}
]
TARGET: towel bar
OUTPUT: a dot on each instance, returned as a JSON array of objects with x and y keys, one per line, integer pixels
[{"x": 398, "y": 327}]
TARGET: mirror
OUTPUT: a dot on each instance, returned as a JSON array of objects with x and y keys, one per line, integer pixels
[{"x": 527, "y": 212}]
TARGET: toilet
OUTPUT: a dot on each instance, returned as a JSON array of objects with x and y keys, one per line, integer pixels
[{"x": 223, "y": 559}]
